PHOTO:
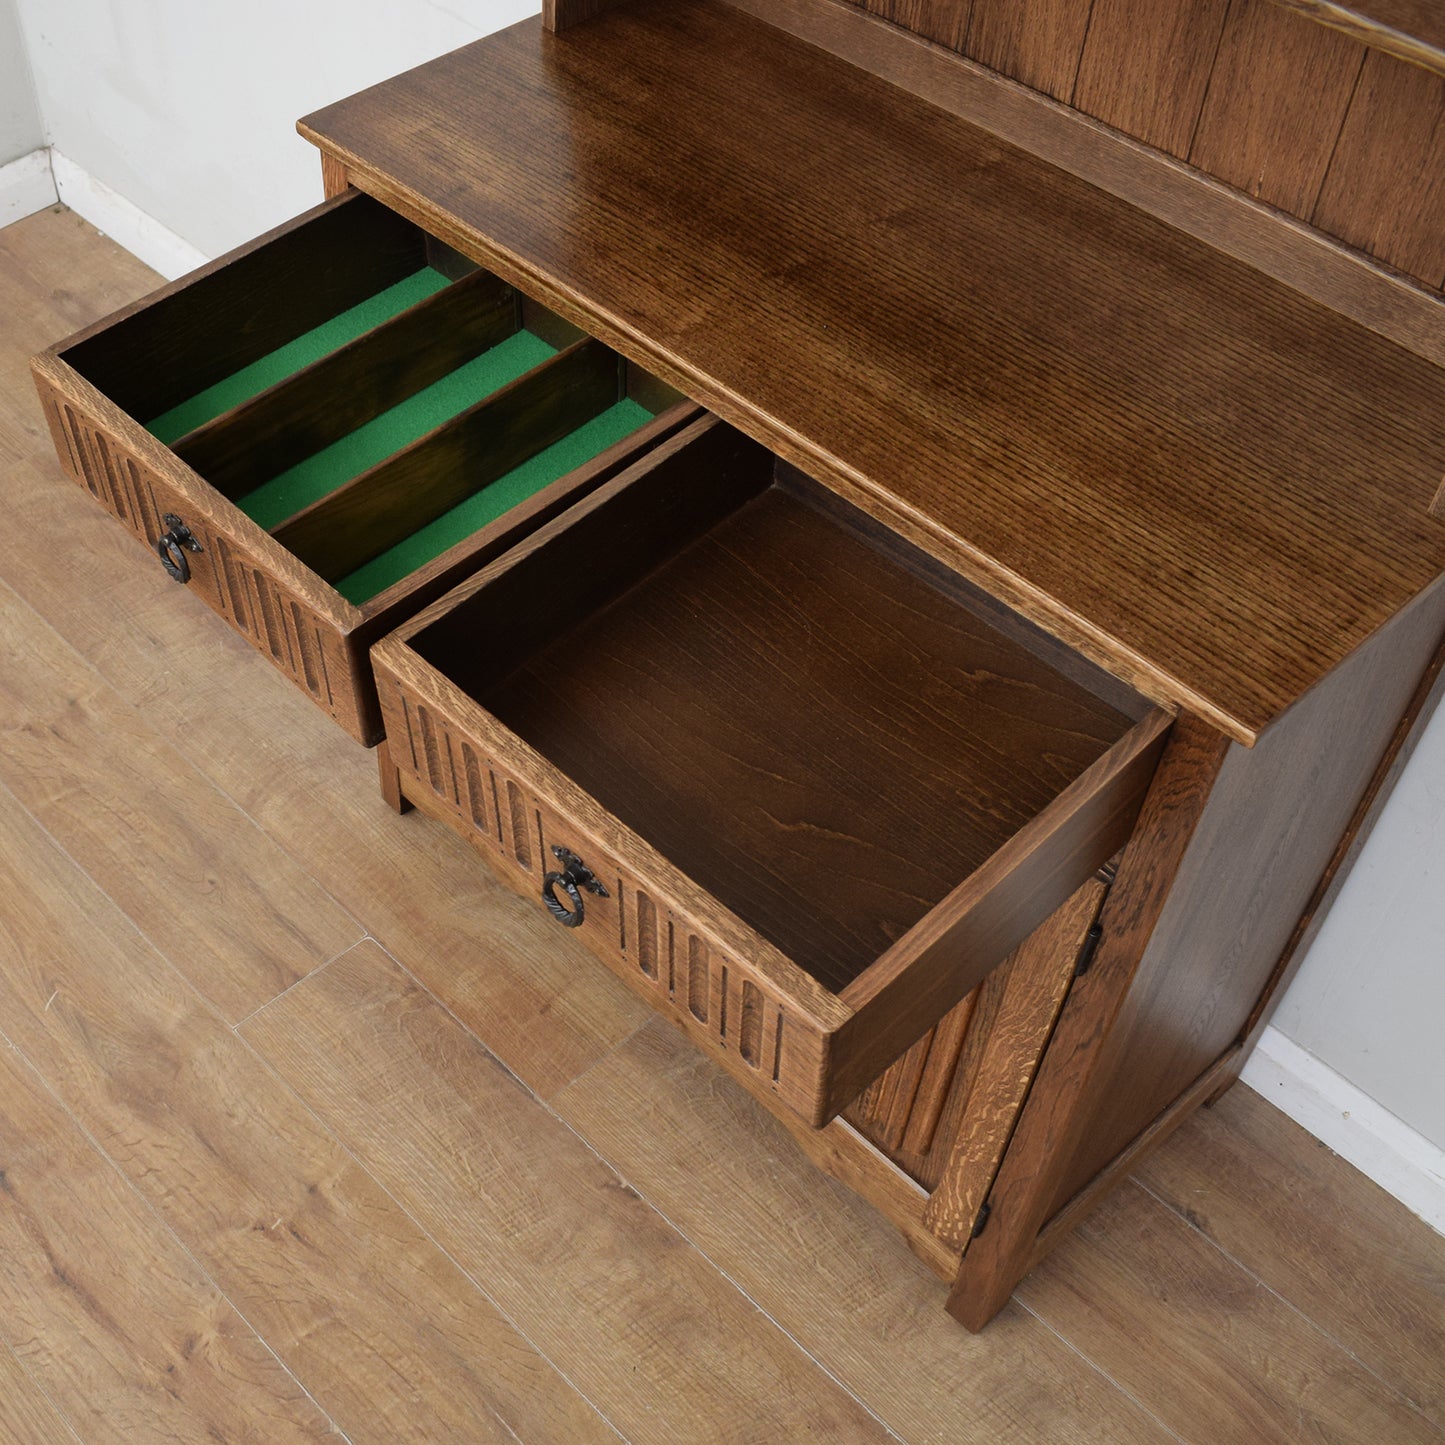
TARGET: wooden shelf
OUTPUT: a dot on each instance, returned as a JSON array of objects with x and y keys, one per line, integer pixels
[
  {"x": 1412, "y": 30},
  {"x": 1191, "y": 473}
]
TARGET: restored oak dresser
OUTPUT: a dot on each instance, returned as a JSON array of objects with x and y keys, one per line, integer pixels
[{"x": 931, "y": 589}]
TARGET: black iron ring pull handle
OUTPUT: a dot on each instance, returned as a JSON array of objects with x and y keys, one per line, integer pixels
[
  {"x": 172, "y": 546},
  {"x": 575, "y": 876}
]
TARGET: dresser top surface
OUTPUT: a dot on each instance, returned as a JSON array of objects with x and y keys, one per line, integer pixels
[{"x": 1209, "y": 483}]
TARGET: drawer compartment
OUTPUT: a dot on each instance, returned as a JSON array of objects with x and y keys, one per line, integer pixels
[
  {"x": 826, "y": 785},
  {"x": 326, "y": 429}
]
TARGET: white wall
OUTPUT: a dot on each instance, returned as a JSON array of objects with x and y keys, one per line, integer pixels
[
  {"x": 1369, "y": 999},
  {"x": 188, "y": 109},
  {"x": 21, "y": 130}
]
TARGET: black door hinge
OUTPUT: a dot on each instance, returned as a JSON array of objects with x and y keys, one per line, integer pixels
[
  {"x": 1089, "y": 949},
  {"x": 981, "y": 1222}
]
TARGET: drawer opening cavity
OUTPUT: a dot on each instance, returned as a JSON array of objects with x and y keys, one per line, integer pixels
[{"x": 850, "y": 780}]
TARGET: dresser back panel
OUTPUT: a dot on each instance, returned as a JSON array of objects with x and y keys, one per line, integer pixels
[{"x": 1348, "y": 139}]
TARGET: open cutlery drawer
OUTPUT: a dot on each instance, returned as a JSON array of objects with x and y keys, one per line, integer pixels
[{"x": 331, "y": 426}]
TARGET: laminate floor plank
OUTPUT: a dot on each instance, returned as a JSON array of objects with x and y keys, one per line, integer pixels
[
  {"x": 829, "y": 1268},
  {"x": 639, "y": 1321},
  {"x": 109, "y": 1313},
  {"x": 1199, "y": 1341},
  {"x": 238, "y": 917},
  {"x": 1318, "y": 1233},
  {"x": 378, "y": 1325},
  {"x": 538, "y": 1002},
  {"x": 26, "y": 1416}
]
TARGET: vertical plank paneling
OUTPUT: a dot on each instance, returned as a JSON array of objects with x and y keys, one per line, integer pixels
[
  {"x": 1385, "y": 191},
  {"x": 943, "y": 21},
  {"x": 1037, "y": 42},
  {"x": 1276, "y": 102},
  {"x": 1146, "y": 66}
]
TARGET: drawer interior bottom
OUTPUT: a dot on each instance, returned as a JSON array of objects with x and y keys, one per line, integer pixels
[
  {"x": 307, "y": 482},
  {"x": 805, "y": 716}
]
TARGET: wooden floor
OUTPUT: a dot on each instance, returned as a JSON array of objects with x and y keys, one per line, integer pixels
[{"x": 307, "y": 1127}]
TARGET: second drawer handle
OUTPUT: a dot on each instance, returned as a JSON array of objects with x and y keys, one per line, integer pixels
[
  {"x": 574, "y": 877},
  {"x": 172, "y": 546}
]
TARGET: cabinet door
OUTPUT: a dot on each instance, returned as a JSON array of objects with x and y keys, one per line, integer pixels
[{"x": 944, "y": 1111}]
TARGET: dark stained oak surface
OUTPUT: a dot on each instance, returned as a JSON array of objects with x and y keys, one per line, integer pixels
[
  {"x": 1195, "y": 475},
  {"x": 825, "y": 742}
]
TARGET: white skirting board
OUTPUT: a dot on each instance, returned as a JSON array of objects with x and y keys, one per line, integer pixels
[
  {"x": 123, "y": 221},
  {"x": 1382, "y": 1147},
  {"x": 26, "y": 186}
]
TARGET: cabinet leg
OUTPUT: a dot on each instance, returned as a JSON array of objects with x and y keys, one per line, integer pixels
[
  {"x": 390, "y": 779},
  {"x": 334, "y": 177}
]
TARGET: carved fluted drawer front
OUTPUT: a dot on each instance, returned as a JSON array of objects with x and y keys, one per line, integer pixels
[
  {"x": 797, "y": 785},
  {"x": 326, "y": 429}
]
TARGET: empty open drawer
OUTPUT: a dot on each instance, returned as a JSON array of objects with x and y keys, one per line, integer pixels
[
  {"x": 326, "y": 429},
  {"x": 799, "y": 786}
]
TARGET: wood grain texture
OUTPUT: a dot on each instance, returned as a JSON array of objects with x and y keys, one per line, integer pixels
[
  {"x": 837, "y": 1149},
  {"x": 1210, "y": 1085},
  {"x": 500, "y": 1184},
  {"x": 1285, "y": 248},
  {"x": 1278, "y": 94},
  {"x": 1273, "y": 822},
  {"x": 564, "y": 14},
  {"x": 318, "y": 405},
  {"x": 153, "y": 1352},
  {"x": 26, "y": 1416},
  {"x": 882, "y": 1111},
  {"x": 289, "y": 614},
  {"x": 1422, "y": 707},
  {"x": 993, "y": 912},
  {"x": 239, "y": 919},
  {"x": 1134, "y": 1274},
  {"x": 942, "y": 21},
  {"x": 1002, "y": 440},
  {"x": 657, "y": 740},
  {"x": 334, "y": 179},
  {"x": 1028, "y": 1177},
  {"x": 726, "y": 1174},
  {"x": 669, "y": 940},
  {"x": 361, "y": 1307},
  {"x": 1145, "y": 67},
  {"x": 1040, "y": 974},
  {"x": 681, "y": 705},
  {"x": 544, "y": 1008},
  {"x": 1272, "y": 1198},
  {"x": 953, "y": 1104},
  {"x": 1384, "y": 191},
  {"x": 260, "y": 587},
  {"x": 1037, "y": 43},
  {"x": 1411, "y": 30}
]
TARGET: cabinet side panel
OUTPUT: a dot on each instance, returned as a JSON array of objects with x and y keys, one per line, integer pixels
[
  {"x": 1274, "y": 820},
  {"x": 1250, "y": 92}
]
